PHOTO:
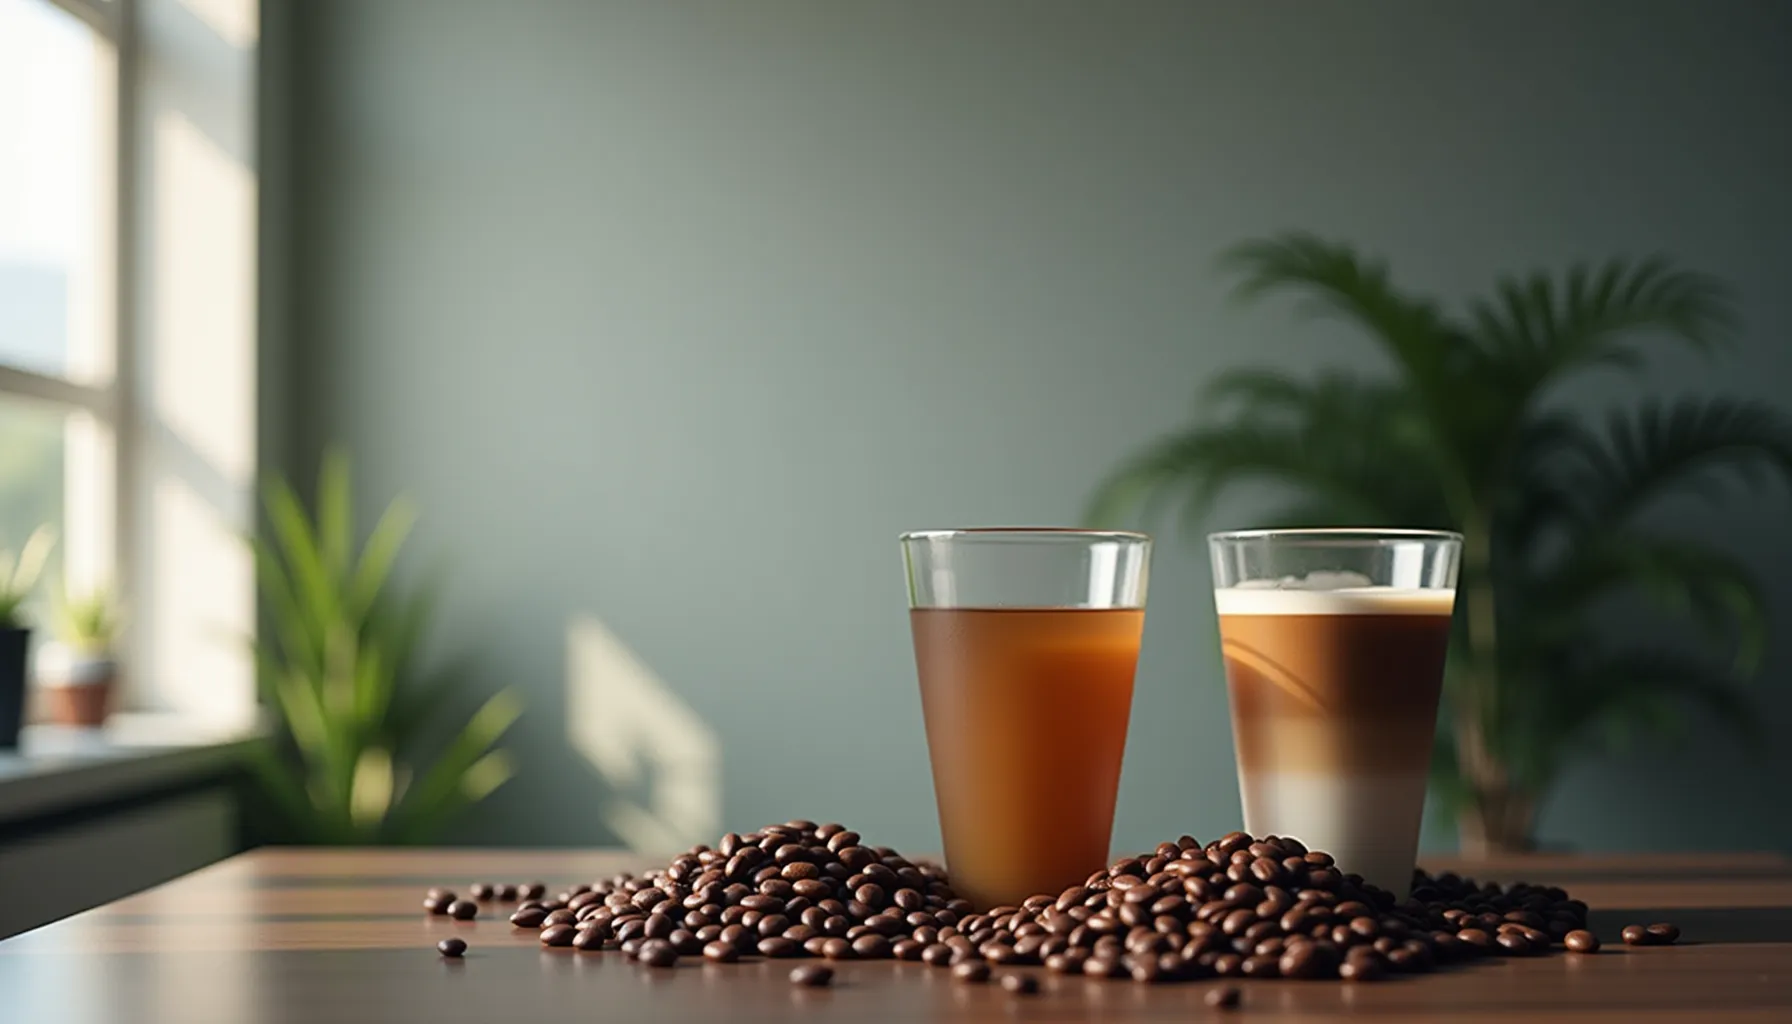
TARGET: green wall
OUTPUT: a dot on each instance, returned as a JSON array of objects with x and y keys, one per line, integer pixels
[{"x": 672, "y": 315}]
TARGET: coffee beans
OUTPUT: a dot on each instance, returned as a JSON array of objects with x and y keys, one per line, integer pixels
[
  {"x": 1581, "y": 941},
  {"x": 453, "y": 948},
  {"x": 1661, "y": 934},
  {"x": 1239, "y": 907},
  {"x": 812, "y": 976}
]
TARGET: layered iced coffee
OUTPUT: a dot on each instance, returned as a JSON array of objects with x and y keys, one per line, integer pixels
[{"x": 1334, "y": 679}]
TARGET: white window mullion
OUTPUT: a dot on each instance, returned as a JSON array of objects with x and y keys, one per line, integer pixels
[
  {"x": 57, "y": 390},
  {"x": 103, "y": 16}
]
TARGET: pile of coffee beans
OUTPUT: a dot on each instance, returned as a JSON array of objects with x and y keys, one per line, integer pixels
[
  {"x": 790, "y": 890},
  {"x": 1258, "y": 908},
  {"x": 1235, "y": 907}
]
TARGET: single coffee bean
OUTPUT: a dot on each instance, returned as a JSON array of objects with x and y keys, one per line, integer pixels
[
  {"x": 1581, "y": 941},
  {"x": 938, "y": 955},
  {"x": 812, "y": 975},
  {"x": 657, "y": 953},
  {"x": 1476, "y": 939},
  {"x": 533, "y": 890},
  {"x": 507, "y": 893},
  {"x": 558, "y": 935},
  {"x": 1020, "y": 984},
  {"x": 842, "y": 949},
  {"x": 1366, "y": 968},
  {"x": 482, "y": 891},
  {"x": 561, "y": 917},
  {"x": 1637, "y": 935},
  {"x": 1098, "y": 966},
  {"x": 463, "y": 910},
  {"x": 631, "y": 947},
  {"x": 452, "y": 947},
  {"x": 973, "y": 972},
  {"x": 1511, "y": 943},
  {"x": 721, "y": 952},
  {"x": 659, "y": 926},
  {"x": 1226, "y": 997},
  {"x": 1664, "y": 934},
  {"x": 1228, "y": 965},
  {"x": 778, "y": 947},
  {"x": 871, "y": 947},
  {"x": 533, "y": 917},
  {"x": 1261, "y": 967},
  {"x": 906, "y": 949}
]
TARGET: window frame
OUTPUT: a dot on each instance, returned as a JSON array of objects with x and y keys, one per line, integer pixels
[{"x": 109, "y": 403}]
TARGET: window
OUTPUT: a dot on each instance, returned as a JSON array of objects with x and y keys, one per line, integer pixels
[
  {"x": 127, "y": 324},
  {"x": 58, "y": 182}
]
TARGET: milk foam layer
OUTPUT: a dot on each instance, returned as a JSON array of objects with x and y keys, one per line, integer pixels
[
  {"x": 1263, "y": 600},
  {"x": 1368, "y": 823}
]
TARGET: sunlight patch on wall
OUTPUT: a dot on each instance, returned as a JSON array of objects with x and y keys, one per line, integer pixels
[{"x": 661, "y": 764}]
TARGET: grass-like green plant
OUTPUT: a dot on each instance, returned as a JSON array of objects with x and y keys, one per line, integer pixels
[
  {"x": 87, "y": 624},
  {"x": 352, "y": 762},
  {"x": 1551, "y": 501},
  {"x": 19, "y": 574}
]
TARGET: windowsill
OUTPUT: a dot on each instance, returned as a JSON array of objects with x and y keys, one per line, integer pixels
[{"x": 58, "y": 768}]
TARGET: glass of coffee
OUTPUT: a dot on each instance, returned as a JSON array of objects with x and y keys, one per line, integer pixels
[
  {"x": 1334, "y": 644},
  {"x": 1025, "y": 642}
]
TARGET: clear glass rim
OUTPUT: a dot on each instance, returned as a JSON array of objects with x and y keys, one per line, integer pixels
[
  {"x": 1338, "y": 535},
  {"x": 1023, "y": 533}
]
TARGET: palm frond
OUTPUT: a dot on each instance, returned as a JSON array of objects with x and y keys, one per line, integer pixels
[
  {"x": 1647, "y": 452},
  {"x": 1642, "y": 689},
  {"x": 1538, "y": 328},
  {"x": 1337, "y": 280},
  {"x": 1716, "y": 590}
]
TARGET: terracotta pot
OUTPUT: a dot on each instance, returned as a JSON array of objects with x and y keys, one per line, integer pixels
[{"x": 84, "y": 699}]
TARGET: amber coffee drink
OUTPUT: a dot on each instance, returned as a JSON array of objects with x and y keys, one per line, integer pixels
[
  {"x": 1025, "y": 644},
  {"x": 1334, "y": 645}
]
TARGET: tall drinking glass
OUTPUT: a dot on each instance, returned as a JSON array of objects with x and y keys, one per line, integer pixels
[
  {"x": 1334, "y": 644},
  {"x": 1025, "y": 643}
]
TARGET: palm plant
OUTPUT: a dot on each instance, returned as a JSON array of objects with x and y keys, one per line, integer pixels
[
  {"x": 348, "y": 764},
  {"x": 1551, "y": 503},
  {"x": 18, "y": 574}
]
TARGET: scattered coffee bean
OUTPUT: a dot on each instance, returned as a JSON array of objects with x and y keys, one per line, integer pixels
[
  {"x": 721, "y": 952},
  {"x": 463, "y": 910},
  {"x": 971, "y": 972},
  {"x": 1226, "y": 997},
  {"x": 778, "y": 947},
  {"x": 588, "y": 940},
  {"x": 557, "y": 935},
  {"x": 812, "y": 975},
  {"x": 482, "y": 891},
  {"x": 452, "y": 947},
  {"x": 1581, "y": 941},
  {"x": 657, "y": 953},
  {"x": 533, "y": 890},
  {"x": 1664, "y": 934},
  {"x": 507, "y": 893},
  {"x": 1637, "y": 935},
  {"x": 438, "y": 904},
  {"x": 1020, "y": 984}
]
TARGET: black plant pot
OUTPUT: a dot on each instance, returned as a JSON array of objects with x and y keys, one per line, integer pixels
[{"x": 14, "y": 643}]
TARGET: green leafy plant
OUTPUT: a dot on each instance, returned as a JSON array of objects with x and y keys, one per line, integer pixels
[
  {"x": 19, "y": 574},
  {"x": 347, "y": 766},
  {"x": 89, "y": 624},
  {"x": 1552, "y": 504}
]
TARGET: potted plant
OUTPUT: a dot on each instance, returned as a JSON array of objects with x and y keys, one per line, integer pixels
[
  {"x": 352, "y": 760},
  {"x": 1550, "y": 499},
  {"x": 78, "y": 688},
  {"x": 18, "y": 578}
]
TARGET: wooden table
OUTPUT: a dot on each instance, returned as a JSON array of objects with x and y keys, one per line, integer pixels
[{"x": 289, "y": 935}]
